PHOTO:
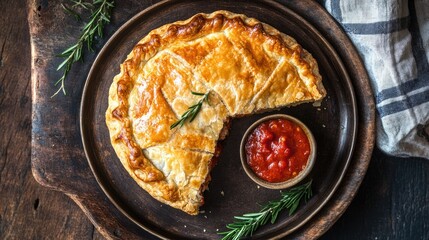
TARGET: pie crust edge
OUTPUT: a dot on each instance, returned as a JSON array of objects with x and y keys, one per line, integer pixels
[{"x": 131, "y": 156}]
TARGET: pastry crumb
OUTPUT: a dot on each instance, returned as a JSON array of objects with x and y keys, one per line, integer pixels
[
  {"x": 317, "y": 104},
  {"x": 222, "y": 193}
]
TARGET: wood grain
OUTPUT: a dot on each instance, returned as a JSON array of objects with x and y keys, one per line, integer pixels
[
  {"x": 392, "y": 203},
  {"x": 27, "y": 210}
]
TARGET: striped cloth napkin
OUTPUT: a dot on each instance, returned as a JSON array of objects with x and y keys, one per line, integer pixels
[{"x": 392, "y": 38}]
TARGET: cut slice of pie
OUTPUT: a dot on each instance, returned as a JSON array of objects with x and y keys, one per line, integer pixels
[{"x": 245, "y": 65}]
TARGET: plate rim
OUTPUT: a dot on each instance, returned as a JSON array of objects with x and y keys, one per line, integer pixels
[{"x": 348, "y": 82}]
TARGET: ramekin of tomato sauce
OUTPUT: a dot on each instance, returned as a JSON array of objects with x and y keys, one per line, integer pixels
[{"x": 278, "y": 151}]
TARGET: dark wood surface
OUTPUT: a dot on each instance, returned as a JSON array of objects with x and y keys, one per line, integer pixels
[{"x": 392, "y": 203}]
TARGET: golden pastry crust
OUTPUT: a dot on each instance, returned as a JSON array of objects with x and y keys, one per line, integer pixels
[{"x": 247, "y": 66}]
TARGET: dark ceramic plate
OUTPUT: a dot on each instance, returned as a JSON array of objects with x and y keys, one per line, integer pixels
[{"x": 231, "y": 192}]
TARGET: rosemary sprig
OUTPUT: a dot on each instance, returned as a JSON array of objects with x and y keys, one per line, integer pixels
[
  {"x": 71, "y": 12},
  {"x": 80, "y": 3},
  {"x": 247, "y": 224},
  {"x": 99, "y": 18},
  {"x": 192, "y": 111}
]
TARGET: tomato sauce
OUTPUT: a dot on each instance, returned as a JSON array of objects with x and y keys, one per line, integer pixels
[{"x": 277, "y": 150}]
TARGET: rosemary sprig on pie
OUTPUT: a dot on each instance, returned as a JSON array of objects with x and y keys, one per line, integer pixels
[
  {"x": 99, "y": 18},
  {"x": 192, "y": 111},
  {"x": 247, "y": 224}
]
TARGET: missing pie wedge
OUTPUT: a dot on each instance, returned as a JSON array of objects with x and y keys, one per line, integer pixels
[{"x": 245, "y": 65}]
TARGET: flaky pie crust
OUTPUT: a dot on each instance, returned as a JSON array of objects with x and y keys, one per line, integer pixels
[{"x": 247, "y": 66}]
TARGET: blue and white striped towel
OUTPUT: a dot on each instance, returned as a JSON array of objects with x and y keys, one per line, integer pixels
[{"x": 392, "y": 37}]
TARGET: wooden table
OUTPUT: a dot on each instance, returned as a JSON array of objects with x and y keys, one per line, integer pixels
[{"x": 392, "y": 203}]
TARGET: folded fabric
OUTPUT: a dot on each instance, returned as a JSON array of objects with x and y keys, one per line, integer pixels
[{"x": 392, "y": 38}]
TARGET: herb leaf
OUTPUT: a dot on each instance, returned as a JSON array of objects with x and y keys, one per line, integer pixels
[
  {"x": 71, "y": 12},
  {"x": 248, "y": 223},
  {"x": 192, "y": 111},
  {"x": 99, "y": 18}
]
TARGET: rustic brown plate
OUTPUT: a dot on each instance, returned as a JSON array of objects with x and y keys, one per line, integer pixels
[{"x": 334, "y": 125}]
